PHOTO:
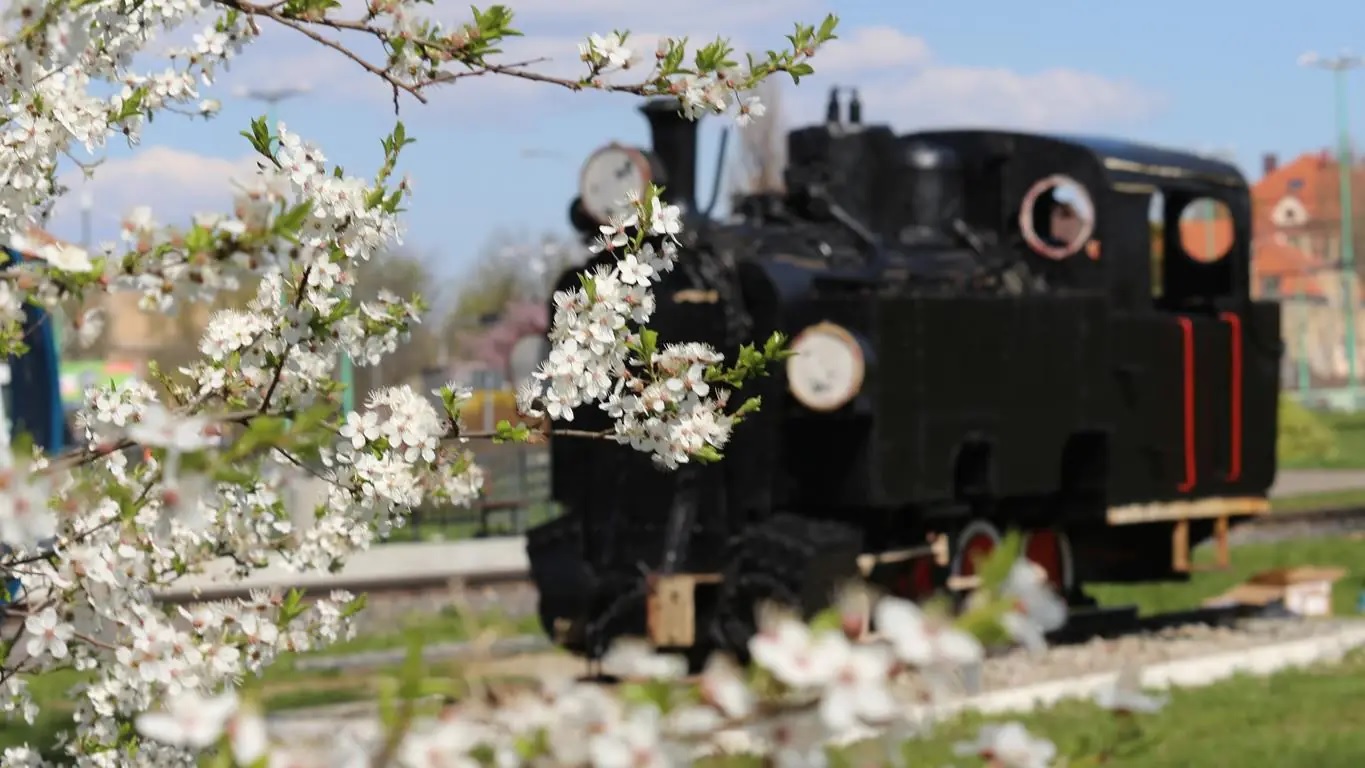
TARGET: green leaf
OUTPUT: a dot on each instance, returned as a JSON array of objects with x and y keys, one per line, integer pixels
[
  {"x": 708, "y": 454},
  {"x": 292, "y": 606},
  {"x": 260, "y": 137},
  {"x": 751, "y": 405},
  {"x": 828, "y": 620},
  {"x": 995, "y": 567},
  {"x": 658, "y": 693},
  {"x": 797, "y": 71},
  {"x": 288, "y": 223}
]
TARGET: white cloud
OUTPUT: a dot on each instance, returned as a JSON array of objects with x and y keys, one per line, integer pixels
[
  {"x": 174, "y": 183},
  {"x": 871, "y": 49},
  {"x": 901, "y": 82},
  {"x": 723, "y": 17},
  {"x": 1054, "y": 99}
]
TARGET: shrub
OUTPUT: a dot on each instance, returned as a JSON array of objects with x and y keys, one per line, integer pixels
[{"x": 1304, "y": 436}]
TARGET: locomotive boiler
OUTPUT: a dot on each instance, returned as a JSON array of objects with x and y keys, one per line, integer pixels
[{"x": 975, "y": 351}]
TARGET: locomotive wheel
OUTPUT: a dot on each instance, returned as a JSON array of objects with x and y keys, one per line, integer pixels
[
  {"x": 1051, "y": 549},
  {"x": 736, "y": 620},
  {"x": 914, "y": 578},
  {"x": 788, "y": 560},
  {"x": 618, "y": 610},
  {"x": 976, "y": 540}
]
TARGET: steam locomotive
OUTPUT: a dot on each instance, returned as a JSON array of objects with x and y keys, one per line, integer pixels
[{"x": 975, "y": 352}]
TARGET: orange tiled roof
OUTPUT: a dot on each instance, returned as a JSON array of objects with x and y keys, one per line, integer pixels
[
  {"x": 1313, "y": 178},
  {"x": 1297, "y": 270}
]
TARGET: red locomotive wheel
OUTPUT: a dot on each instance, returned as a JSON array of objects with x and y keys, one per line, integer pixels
[
  {"x": 1051, "y": 550},
  {"x": 976, "y": 541}
]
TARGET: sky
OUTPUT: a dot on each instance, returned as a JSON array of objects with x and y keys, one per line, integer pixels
[{"x": 497, "y": 157}]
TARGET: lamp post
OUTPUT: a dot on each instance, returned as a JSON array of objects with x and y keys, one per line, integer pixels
[
  {"x": 1305, "y": 379},
  {"x": 1227, "y": 155},
  {"x": 1339, "y": 66},
  {"x": 272, "y": 97}
]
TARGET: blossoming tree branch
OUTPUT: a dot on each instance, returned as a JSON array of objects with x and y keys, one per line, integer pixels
[{"x": 92, "y": 536}]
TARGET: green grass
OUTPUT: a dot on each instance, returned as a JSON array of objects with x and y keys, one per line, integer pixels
[
  {"x": 442, "y": 627},
  {"x": 1309, "y": 502},
  {"x": 1343, "y": 551},
  {"x": 1304, "y": 718},
  {"x": 1349, "y": 429}
]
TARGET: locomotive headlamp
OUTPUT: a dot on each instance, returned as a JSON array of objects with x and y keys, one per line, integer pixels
[
  {"x": 609, "y": 177},
  {"x": 827, "y": 369}
]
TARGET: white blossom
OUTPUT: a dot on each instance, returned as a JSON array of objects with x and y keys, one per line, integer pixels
[
  {"x": 1126, "y": 694},
  {"x": 93, "y": 536},
  {"x": 1009, "y": 745}
]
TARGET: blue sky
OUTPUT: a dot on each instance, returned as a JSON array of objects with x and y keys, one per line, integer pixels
[{"x": 494, "y": 156}]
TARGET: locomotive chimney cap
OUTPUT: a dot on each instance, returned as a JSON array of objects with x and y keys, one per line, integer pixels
[
  {"x": 924, "y": 156},
  {"x": 832, "y": 106},
  {"x": 661, "y": 104}
]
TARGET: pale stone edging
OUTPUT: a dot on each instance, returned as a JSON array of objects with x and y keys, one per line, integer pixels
[{"x": 1193, "y": 672}]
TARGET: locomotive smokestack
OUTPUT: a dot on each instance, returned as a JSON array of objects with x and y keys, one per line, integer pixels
[
  {"x": 832, "y": 108},
  {"x": 675, "y": 144},
  {"x": 855, "y": 109},
  {"x": 934, "y": 190}
]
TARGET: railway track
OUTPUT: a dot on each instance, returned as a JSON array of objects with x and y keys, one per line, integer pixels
[
  {"x": 1285, "y": 525},
  {"x": 510, "y": 592},
  {"x": 1305, "y": 524},
  {"x": 1086, "y": 624},
  {"x": 386, "y": 587},
  {"x": 1083, "y": 625}
]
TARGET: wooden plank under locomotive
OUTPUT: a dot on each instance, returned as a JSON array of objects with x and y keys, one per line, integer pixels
[{"x": 997, "y": 375}]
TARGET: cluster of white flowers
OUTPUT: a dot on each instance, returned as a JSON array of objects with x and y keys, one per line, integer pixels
[
  {"x": 173, "y": 479},
  {"x": 698, "y": 93},
  {"x": 812, "y": 687},
  {"x": 660, "y": 400}
]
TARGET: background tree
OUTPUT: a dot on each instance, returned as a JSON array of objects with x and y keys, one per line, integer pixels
[
  {"x": 492, "y": 344},
  {"x": 510, "y": 271},
  {"x": 762, "y": 154},
  {"x": 406, "y": 274}
]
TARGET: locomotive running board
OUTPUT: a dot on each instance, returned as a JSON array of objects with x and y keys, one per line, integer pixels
[
  {"x": 671, "y": 602},
  {"x": 1218, "y": 509},
  {"x": 1197, "y": 509}
]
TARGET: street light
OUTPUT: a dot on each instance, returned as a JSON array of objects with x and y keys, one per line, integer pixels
[
  {"x": 272, "y": 96},
  {"x": 1338, "y": 66},
  {"x": 537, "y": 153}
]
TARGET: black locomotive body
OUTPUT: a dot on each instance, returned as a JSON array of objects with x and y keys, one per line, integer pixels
[{"x": 992, "y": 379}]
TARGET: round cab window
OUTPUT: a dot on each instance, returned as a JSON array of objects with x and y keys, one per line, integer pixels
[
  {"x": 1206, "y": 230},
  {"x": 1057, "y": 217}
]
